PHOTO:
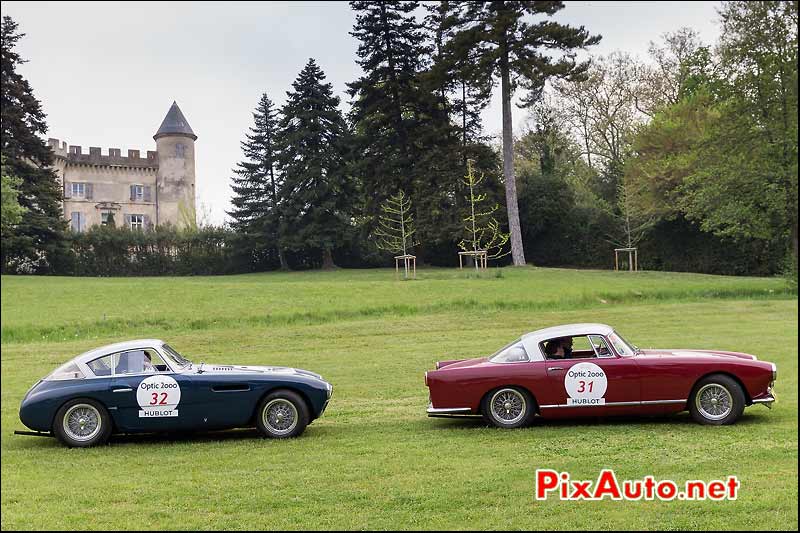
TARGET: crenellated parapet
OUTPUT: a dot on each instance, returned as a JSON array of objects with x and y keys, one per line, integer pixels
[{"x": 75, "y": 154}]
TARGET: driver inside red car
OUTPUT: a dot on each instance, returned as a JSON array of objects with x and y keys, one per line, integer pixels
[{"x": 559, "y": 348}]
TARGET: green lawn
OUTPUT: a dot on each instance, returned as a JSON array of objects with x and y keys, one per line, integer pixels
[{"x": 374, "y": 460}]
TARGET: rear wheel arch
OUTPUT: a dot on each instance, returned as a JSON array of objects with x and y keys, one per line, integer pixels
[
  {"x": 498, "y": 419},
  {"x": 114, "y": 428},
  {"x": 488, "y": 394},
  {"x": 87, "y": 404}
]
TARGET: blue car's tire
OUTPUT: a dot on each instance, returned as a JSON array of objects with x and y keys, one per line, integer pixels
[
  {"x": 81, "y": 423},
  {"x": 282, "y": 414}
]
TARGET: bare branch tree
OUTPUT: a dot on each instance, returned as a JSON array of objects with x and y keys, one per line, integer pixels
[
  {"x": 482, "y": 229},
  {"x": 395, "y": 230},
  {"x": 632, "y": 221}
]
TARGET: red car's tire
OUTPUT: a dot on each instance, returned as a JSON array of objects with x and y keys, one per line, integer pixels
[
  {"x": 282, "y": 414},
  {"x": 81, "y": 423},
  {"x": 717, "y": 400},
  {"x": 508, "y": 407}
]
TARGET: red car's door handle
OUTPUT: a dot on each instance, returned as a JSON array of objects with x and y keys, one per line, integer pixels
[{"x": 549, "y": 368}]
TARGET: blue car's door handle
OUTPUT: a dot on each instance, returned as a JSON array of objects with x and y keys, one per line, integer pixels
[{"x": 122, "y": 389}]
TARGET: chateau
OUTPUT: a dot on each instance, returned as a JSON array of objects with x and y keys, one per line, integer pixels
[{"x": 134, "y": 191}]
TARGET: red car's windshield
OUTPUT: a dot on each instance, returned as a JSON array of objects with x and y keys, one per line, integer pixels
[{"x": 623, "y": 347}]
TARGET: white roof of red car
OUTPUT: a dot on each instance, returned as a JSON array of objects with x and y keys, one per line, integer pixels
[{"x": 569, "y": 330}]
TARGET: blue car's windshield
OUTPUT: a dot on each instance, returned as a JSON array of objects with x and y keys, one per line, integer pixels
[{"x": 178, "y": 358}]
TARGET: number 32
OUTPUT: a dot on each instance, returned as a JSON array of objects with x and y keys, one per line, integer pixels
[{"x": 155, "y": 401}]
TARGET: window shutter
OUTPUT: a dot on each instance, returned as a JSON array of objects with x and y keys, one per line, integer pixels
[
  {"x": 67, "y": 189},
  {"x": 146, "y": 222},
  {"x": 128, "y": 221},
  {"x": 147, "y": 193},
  {"x": 88, "y": 191},
  {"x": 75, "y": 221},
  {"x": 133, "y": 192},
  {"x": 81, "y": 222}
]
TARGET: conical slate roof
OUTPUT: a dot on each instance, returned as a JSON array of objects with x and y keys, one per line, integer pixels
[{"x": 175, "y": 124}]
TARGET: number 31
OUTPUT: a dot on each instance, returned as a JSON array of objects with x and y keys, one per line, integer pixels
[{"x": 582, "y": 386}]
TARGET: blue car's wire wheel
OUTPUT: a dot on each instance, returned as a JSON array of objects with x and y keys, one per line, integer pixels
[
  {"x": 82, "y": 422},
  {"x": 280, "y": 416}
]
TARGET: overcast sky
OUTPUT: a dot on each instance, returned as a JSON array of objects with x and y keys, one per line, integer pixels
[{"x": 107, "y": 72}]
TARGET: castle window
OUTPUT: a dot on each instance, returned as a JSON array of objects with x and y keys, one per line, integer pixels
[
  {"x": 141, "y": 193},
  {"x": 180, "y": 150},
  {"x": 78, "y": 190},
  {"x": 137, "y": 222},
  {"x": 77, "y": 221},
  {"x": 107, "y": 218}
]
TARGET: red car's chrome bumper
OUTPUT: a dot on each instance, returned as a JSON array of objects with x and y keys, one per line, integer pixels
[
  {"x": 766, "y": 400},
  {"x": 449, "y": 411}
]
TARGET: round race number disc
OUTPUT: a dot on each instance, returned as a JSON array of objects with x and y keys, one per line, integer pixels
[
  {"x": 586, "y": 384},
  {"x": 158, "y": 394}
]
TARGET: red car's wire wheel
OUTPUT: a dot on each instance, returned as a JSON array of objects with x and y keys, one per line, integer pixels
[
  {"x": 508, "y": 406},
  {"x": 714, "y": 401}
]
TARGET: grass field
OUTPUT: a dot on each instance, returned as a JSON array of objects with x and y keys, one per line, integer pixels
[{"x": 374, "y": 460}]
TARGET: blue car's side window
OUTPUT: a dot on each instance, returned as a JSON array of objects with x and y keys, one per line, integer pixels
[
  {"x": 142, "y": 361},
  {"x": 101, "y": 366}
]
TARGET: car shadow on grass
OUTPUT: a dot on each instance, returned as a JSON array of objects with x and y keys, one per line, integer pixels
[
  {"x": 675, "y": 420},
  {"x": 186, "y": 437}
]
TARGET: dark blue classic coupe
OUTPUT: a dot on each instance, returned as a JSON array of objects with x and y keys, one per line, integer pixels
[{"x": 145, "y": 386}]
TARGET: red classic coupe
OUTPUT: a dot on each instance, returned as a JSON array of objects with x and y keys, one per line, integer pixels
[{"x": 590, "y": 370}]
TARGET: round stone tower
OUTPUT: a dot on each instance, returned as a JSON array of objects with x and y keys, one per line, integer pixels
[{"x": 174, "y": 195}]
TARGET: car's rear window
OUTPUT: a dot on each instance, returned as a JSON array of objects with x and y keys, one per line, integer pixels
[
  {"x": 66, "y": 371},
  {"x": 513, "y": 353}
]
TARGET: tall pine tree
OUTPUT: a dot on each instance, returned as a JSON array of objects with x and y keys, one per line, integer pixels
[
  {"x": 401, "y": 128},
  {"x": 316, "y": 194},
  {"x": 456, "y": 78},
  {"x": 39, "y": 239},
  {"x": 256, "y": 210},
  {"x": 385, "y": 97},
  {"x": 500, "y": 39}
]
